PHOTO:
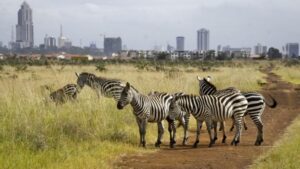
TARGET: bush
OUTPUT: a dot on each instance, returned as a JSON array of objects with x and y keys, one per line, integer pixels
[{"x": 101, "y": 67}]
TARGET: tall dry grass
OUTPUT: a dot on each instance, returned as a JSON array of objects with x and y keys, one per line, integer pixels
[{"x": 89, "y": 132}]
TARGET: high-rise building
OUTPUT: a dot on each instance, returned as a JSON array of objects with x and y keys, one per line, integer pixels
[
  {"x": 292, "y": 50},
  {"x": 180, "y": 43},
  {"x": 203, "y": 40},
  {"x": 49, "y": 42},
  {"x": 62, "y": 41},
  {"x": 112, "y": 45},
  {"x": 260, "y": 49},
  {"x": 1, "y": 44},
  {"x": 24, "y": 28}
]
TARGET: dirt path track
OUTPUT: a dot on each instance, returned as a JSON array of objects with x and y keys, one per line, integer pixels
[{"x": 224, "y": 156}]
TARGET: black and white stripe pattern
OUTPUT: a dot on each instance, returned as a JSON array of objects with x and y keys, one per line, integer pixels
[
  {"x": 256, "y": 104},
  {"x": 152, "y": 108},
  {"x": 182, "y": 117},
  {"x": 212, "y": 109},
  {"x": 104, "y": 86},
  {"x": 68, "y": 92}
]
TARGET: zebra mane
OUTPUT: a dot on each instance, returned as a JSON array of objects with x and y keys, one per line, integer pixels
[
  {"x": 210, "y": 84},
  {"x": 98, "y": 77}
]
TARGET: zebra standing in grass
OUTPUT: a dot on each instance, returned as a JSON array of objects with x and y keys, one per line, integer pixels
[
  {"x": 182, "y": 117},
  {"x": 104, "y": 86},
  {"x": 256, "y": 105},
  {"x": 68, "y": 92},
  {"x": 146, "y": 109},
  {"x": 212, "y": 109}
]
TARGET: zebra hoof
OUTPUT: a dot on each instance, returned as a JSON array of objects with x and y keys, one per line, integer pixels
[
  {"x": 235, "y": 142},
  {"x": 224, "y": 139},
  {"x": 231, "y": 129},
  {"x": 215, "y": 139},
  {"x": 195, "y": 144},
  {"x": 157, "y": 144},
  {"x": 246, "y": 128},
  {"x": 172, "y": 145}
]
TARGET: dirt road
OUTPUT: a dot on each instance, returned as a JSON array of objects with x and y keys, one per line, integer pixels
[{"x": 224, "y": 156}]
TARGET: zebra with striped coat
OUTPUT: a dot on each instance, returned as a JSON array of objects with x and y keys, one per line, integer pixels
[
  {"x": 256, "y": 104},
  {"x": 182, "y": 117},
  {"x": 147, "y": 109},
  {"x": 67, "y": 92},
  {"x": 103, "y": 86},
  {"x": 212, "y": 109}
]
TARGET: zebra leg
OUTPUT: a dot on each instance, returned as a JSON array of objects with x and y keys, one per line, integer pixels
[
  {"x": 245, "y": 125},
  {"x": 238, "y": 125},
  {"x": 187, "y": 120},
  {"x": 160, "y": 129},
  {"x": 209, "y": 127},
  {"x": 259, "y": 138},
  {"x": 144, "y": 126},
  {"x": 199, "y": 125},
  {"x": 184, "y": 141},
  {"x": 139, "y": 122},
  {"x": 172, "y": 131},
  {"x": 224, "y": 133},
  {"x": 232, "y": 125},
  {"x": 215, "y": 123}
]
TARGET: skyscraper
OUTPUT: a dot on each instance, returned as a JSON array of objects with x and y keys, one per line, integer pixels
[
  {"x": 49, "y": 42},
  {"x": 292, "y": 50},
  {"x": 112, "y": 45},
  {"x": 259, "y": 49},
  {"x": 180, "y": 43},
  {"x": 203, "y": 40},
  {"x": 24, "y": 28}
]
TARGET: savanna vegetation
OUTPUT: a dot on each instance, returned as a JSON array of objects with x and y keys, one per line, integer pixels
[
  {"x": 91, "y": 132},
  {"x": 286, "y": 151}
]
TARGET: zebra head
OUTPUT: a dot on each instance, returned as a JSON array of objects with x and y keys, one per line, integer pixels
[
  {"x": 84, "y": 78},
  {"x": 205, "y": 87},
  {"x": 126, "y": 97},
  {"x": 174, "y": 109}
]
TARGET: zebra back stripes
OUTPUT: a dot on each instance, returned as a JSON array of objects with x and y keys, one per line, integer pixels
[
  {"x": 67, "y": 92},
  {"x": 211, "y": 109},
  {"x": 152, "y": 108},
  {"x": 256, "y": 104},
  {"x": 104, "y": 86}
]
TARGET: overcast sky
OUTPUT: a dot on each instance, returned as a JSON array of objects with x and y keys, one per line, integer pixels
[{"x": 143, "y": 23}]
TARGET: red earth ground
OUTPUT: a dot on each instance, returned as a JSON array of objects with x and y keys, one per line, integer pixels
[{"x": 223, "y": 156}]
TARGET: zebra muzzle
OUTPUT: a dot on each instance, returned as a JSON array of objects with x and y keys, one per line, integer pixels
[{"x": 120, "y": 106}]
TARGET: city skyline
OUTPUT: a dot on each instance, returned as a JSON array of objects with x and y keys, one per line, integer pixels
[{"x": 145, "y": 24}]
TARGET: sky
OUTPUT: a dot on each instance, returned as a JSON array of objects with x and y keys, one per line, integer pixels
[{"x": 142, "y": 24}]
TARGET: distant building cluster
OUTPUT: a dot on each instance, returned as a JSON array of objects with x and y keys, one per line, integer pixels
[{"x": 23, "y": 40}]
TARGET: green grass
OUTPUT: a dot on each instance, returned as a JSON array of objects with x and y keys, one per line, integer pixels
[
  {"x": 290, "y": 74},
  {"x": 90, "y": 132},
  {"x": 286, "y": 152}
]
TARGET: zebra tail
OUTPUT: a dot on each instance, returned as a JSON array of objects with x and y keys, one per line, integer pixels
[{"x": 273, "y": 104}]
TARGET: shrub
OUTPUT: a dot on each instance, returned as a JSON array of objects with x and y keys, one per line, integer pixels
[{"x": 101, "y": 67}]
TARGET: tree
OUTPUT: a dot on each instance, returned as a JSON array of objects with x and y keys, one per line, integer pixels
[
  {"x": 162, "y": 56},
  {"x": 209, "y": 55},
  {"x": 274, "y": 53}
]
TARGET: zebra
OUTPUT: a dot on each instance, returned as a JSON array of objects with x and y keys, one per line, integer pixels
[
  {"x": 67, "y": 92},
  {"x": 182, "y": 117},
  {"x": 256, "y": 105},
  {"x": 212, "y": 109},
  {"x": 107, "y": 87},
  {"x": 146, "y": 109}
]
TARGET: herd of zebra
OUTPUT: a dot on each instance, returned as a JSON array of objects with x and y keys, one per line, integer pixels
[{"x": 210, "y": 106}]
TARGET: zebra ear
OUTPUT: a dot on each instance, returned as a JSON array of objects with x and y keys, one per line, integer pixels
[
  {"x": 128, "y": 85},
  {"x": 199, "y": 78},
  {"x": 77, "y": 74},
  {"x": 208, "y": 78}
]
